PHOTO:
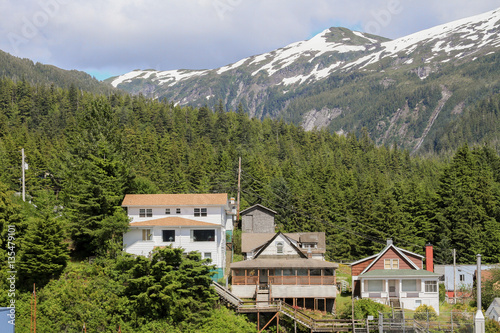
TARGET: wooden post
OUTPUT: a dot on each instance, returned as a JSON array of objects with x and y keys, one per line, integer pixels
[
  {"x": 34, "y": 316},
  {"x": 239, "y": 190}
]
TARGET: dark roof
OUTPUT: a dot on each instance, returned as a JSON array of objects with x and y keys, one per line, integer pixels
[
  {"x": 284, "y": 263},
  {"x": 257, "y": 206},
  {"x": 251, "y": 241}
]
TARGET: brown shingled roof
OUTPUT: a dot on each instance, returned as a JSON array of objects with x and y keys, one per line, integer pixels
[
  {"x": 173, "y": 221},
  {"x": 251, "y": 241},
  {"x": 174, "y": 199},
  {"x": 284, "y": 263}
]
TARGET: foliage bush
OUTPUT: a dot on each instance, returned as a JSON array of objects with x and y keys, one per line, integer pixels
[{"x": 425, "y": 312}]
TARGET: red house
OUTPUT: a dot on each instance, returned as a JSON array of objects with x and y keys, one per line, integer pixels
[{"x": 396, "y": 276}]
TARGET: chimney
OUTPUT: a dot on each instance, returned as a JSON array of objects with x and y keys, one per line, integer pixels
[
  {"x": 429, "y": 257},
  {"x": 389, "y": 241}
]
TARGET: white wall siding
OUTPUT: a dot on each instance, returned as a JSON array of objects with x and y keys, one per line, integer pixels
[
  {"x": 215, "y": 215},
  {"x": 134, "y": 244},
  {"x": 285, "y": 291},
  {"x": 244, "y": 291}
]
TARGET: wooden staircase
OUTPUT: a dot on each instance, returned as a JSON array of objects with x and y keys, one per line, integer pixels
[{"x": 262, "y": 298}]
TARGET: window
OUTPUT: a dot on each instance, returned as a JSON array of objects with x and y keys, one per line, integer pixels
[
  {"x": 207, "y": 255},
  {"x": 375, "y": 285},
  {"x": 145, "y": 212},
  {"x": 409, "y": 285},
  {"x": 302, "y": 272},
  {"x": 167, "y": 211},
  {"x": 418, "y": 302},
  {"x": 203, "y": 235},
  {"x": 431, "y": 286},
  {"x": 146, "y": 235},
  {"x": 391, "y": 263},
  {"x": 200, "y": 212},
  {"x": 177, "y": 211},
  {"x": 462, "y": 277},
  {"x": 279, "y": 247},
  {"x": 168, "y": 235}
]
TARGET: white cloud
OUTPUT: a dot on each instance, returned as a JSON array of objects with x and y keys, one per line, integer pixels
[{"x": 120, "y": 35}]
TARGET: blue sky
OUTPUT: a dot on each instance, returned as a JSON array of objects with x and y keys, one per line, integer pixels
[{"x": 112, "y": 37}]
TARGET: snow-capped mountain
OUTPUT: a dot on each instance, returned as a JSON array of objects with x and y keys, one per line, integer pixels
[{"x": 397, "y": 89}]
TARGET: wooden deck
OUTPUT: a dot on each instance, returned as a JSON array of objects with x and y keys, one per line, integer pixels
[{"x": 315, "y": 325}]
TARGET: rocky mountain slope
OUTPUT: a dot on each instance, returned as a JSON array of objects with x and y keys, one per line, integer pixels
[{"x": 400, "y": 90}]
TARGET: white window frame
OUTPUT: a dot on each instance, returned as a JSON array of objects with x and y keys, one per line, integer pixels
[
  {"x": 207, "y": 255},
  {"x": 145, "y": 212},
  {"x": 167, "y": 211},
  {"x": 279, "y": 247},
  {"x": 177, "y": 211},
  {"x": 391, "y": 263},
  {"x": 431, "y": 286},
  {"x": 200, "y": 212}
]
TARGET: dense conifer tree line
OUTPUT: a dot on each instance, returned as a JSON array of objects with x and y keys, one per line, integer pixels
[{"x": 85, "y": 152}]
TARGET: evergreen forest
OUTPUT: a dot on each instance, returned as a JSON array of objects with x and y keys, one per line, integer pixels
[{"x": 84, "y": 151}]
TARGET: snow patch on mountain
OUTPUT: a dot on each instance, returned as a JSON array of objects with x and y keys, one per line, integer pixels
[
  {"x": 160, "y": 77},
  {"x": 314, "y": 48},
  {"x": 480, "y": 28}
]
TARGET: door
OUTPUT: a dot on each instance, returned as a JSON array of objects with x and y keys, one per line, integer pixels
[
  {"x": 392, "y": 288},
  {"x": 263, "y": 279}
]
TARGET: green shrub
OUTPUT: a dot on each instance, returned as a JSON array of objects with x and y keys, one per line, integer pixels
[{"x": 424, "y": 312}]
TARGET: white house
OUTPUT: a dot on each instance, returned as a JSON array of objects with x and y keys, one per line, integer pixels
[
  {"x": 493, "y": 311},
  {"x": 194, "y": 222}
]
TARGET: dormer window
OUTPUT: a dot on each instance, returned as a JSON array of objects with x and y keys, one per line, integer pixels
[{"x": 391, "y": 263}]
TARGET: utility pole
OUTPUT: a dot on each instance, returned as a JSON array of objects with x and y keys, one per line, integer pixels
[
  {"x": 454, "y": 277},
  {"x": 23, "y": 168},
  {"x": 479, "y": 318},
  {"x": 239, "y": 190}
]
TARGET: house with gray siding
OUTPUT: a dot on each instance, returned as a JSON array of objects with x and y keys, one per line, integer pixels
[{"x": 257, "y": 219}]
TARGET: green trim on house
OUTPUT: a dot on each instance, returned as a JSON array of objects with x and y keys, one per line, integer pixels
[{"x": 400, "y": 273}]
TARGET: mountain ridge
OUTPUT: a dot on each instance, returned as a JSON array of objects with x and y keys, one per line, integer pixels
[{"x": 345, "y": 80}]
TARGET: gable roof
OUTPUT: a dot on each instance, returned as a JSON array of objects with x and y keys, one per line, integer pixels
[
  {"x": 252, "y": 241},
  {"x": 148, "y": 200},
  {"x": 173, "y": 221},
  {"x": 302, "y": 255},
  {"x": 381, "y": 253},
  {"x": 244, "y": 211}
]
